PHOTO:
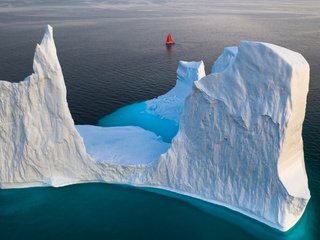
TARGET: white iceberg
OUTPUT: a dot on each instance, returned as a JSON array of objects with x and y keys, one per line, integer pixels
[{"x": 239, "y": 142}]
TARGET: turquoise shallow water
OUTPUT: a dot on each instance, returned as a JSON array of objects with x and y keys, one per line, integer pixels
[
  {"x": 136, "y": 115},
  {"x": 112, "y": 55}
]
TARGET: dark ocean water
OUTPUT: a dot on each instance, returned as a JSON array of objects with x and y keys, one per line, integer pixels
[{"x": 112, "y": 54}]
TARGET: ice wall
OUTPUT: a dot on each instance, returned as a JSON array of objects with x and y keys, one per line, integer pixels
[
  {"x": 39, "y": 144},
  {"x": 239, "y": 143}
]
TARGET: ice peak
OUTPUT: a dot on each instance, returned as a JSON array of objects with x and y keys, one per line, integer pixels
[
  {"x": 225, "y": 59},
  {"x": 188, "y": 72},
  {"x": 48, "y": 29},
  {"x": 45, "y": 60}
]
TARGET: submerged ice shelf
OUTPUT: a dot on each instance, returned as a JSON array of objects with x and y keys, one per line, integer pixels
[{"x": 239, "y": 141}]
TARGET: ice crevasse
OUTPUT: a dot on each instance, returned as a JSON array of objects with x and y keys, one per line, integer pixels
[{"x": 239, "y": 141}]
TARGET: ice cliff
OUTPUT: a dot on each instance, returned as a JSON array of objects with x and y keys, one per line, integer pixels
[
  {"x": 239, "y": 142},
  {"x": 240, "y": 138}
]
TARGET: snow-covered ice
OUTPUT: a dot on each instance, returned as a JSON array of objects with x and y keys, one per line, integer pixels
[
  {"x": 239, "y": 142},
  {"x": 126, "y": 145}
]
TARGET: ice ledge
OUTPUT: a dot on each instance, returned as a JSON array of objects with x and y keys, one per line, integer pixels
[{"x": 257, "y": 170}]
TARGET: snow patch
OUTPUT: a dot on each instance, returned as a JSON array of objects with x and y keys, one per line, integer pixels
[{"x": 122, "y": 145}]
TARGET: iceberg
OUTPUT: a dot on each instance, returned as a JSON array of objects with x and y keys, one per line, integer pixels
[{"x": 238, "y": 145}]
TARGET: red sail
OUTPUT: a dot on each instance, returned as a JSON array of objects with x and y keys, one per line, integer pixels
[{"x": 169, "y": 39}]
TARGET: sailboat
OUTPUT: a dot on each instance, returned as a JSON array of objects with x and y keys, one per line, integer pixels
[{"x": 169, "y": 40}]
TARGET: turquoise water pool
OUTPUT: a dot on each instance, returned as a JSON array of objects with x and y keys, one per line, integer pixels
[{"x": 136, "y": 115}]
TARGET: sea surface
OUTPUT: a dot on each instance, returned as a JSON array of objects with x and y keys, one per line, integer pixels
[{"x": 112, "y": 54}]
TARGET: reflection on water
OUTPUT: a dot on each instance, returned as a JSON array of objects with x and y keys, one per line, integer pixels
[{"x": 169, "y": 47}]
